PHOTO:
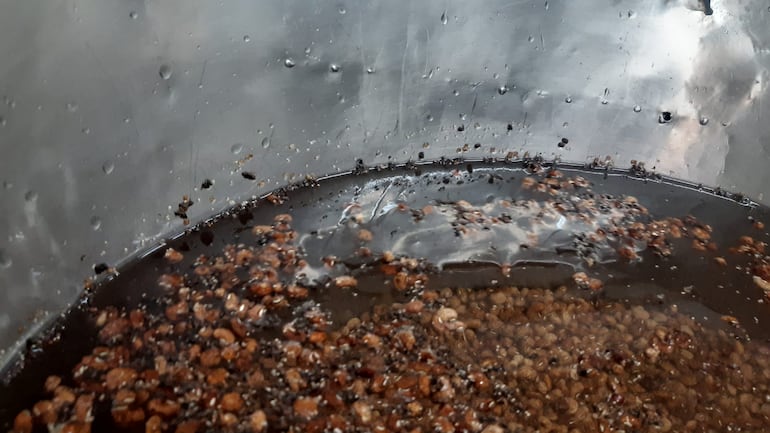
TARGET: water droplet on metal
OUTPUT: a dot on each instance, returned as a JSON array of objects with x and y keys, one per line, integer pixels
[
  {"x": 266, "y": 142},
  {"x": 292, "y": 146},
  {"x": 246, "y": 38},
  {"x": 370, "y": 70},
  {"x": 133, "y": 15},
  {"x": 289, "y": 63},
  {"x": 456, "y": 92},
  {"x": 72, "y": 107},
  {"x": 5, "y": 260},
  {"x": 165, "y": 72},
  {"x": 334, "y": 67},
  {"x": 236, "y": 148},
  {"x": 342, "y": 11},
  {"x": 444, "y": 18},
  {"x": 637, "y": 109},
  {"x": 30, "y": 196},
  {"x": 704, "y": 121},
  {"x": 502, "y": 90},
  {"x": 96, "y": 222},
  {"x": 568, "y": 99},
  {"x": 531, "y": 38},
  {"x": 2, "y": 121},
  {"x": 462, "y": 116},
  {"x": 86, "y": 131},
  {"x": 108, "y": 167}
]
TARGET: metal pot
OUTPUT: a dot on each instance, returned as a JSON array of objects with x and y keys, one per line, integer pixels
[{"x": 112, "y": 111}]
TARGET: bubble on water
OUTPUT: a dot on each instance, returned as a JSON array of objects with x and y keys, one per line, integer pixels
[
  {"x": 568, "y": 99},
  {"x": 334, "y": 67},
  {"x": 5, "y": 260},
  {"x": 108, "y": 167},
  {"x": 246, "y": 38},
  {"x": 370, "y": 70},
  {"x": 133, "y": 15},
  {"x": 96, "y": 223},
  {"x": 704, "y": 120},
  {"x": 502, "y": 90},
  {"x": 266, "y": 142},
  {"x": 72, "y": 107},
  {"x": 289, "y": 63},
  {"x": 637, "y": 109},
  {"x": 342, "y": 11},
  {"x": 236, "y": 148},
  {"x": 444, "y": 18},
  {"x": 165, "y": 72},
  {"x": 30, "y": 196}
]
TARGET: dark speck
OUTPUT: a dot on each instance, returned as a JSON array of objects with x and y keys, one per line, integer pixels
[
  {"x": 461, "y": 128},
  {"x": 207, "y": 237},
  {"x": 477, "y": 145},
  {"x": 101, "y": 268},
  {"x": 665, "y": 117},
  {"x": 207, "y": 184},
  {"x": 469, "y": 167},
  {"x": 421, "y": 155},
  {"x": 509, "y": 127},
  {"x": 248, "y": 175}
]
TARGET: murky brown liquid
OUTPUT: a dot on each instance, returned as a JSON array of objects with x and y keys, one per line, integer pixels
[{"x": 404, "y": 235}]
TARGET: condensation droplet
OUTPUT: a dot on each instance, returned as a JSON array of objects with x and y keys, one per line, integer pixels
[
  {"x": 96, "y": 223},
  {"x": 342, "y": 11},
  {"x": 568, "y": 99},
  {"x": 502, "y": 90},
  {"x": 236, "y": 148},
  {"x": 30, "y": 196},
  {"x": 637, "y": 109},
  {"x": 704, "y": 121},
  {"x": 133, "y": 15},
  {"x": 334, "y": 67},
  {"x": 456, "y": 92},
  {"x": 165, "y": 72},
  {"x": 246, "y": 38},
  {"x": 108, "y": 167},
  {"x": 289, "y": 63},
  {"x": 444, "y": 18},
  {"x": 5, "y": 260},
  {"x": 370, "y": 70},
  {"x": 72, "y": 107},
  {"x": 266, "y": 142},
  {"x": 86, "y": 131},
  {"x": 531, "y": 38},
  {"x": 292, "y": 146}
]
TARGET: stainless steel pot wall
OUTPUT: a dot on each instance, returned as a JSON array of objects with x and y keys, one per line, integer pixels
[{"x": 113, "y": 110}]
